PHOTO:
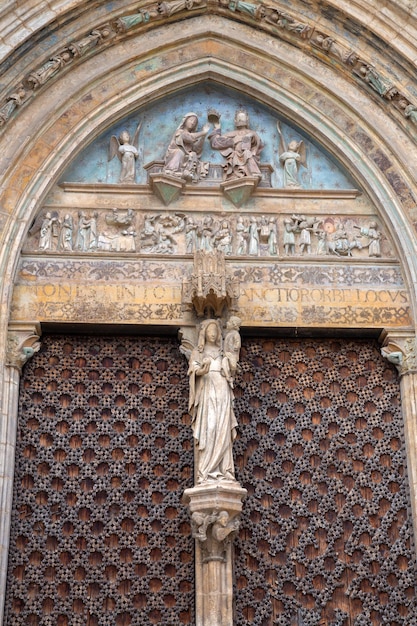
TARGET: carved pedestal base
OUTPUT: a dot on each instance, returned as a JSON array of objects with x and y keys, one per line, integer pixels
[
  {"x": 167, "y": 188},
  {"x": 239, "y": 190},
  {"x": 214, "y": 509}
]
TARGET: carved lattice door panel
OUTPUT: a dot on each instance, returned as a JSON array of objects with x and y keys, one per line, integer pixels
[
  {"x": 326, "y": 535},
  {"x": 99, "y": 536}
]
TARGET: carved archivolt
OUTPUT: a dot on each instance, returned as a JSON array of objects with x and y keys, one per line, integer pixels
[{"x": 275, "y": 21}]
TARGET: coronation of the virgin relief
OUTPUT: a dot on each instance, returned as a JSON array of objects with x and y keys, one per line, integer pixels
[{"x": 208, "y": 271}]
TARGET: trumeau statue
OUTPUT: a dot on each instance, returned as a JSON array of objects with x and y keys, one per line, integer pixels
[
  {"x": 211, "y": 372},
  {"x": 182, "y": 158},
  {"x": 240, "y": 147},
  {"x": 127, "y": 153}
]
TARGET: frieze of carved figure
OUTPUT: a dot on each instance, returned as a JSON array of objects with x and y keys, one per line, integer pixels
[
  {"x": 242, "y": 236},
  {"x": 222, "y": 240},
  {"x": 240, "y": 147},
  {"x": 380, "y": 84},
  {"x": 12, "y": 102},
  {"x": 290, "y": 227},
  {"x": 257, "y": 11},
  {"x": 305, "y": 226},
  {"x": 125, "y": 23},
  {"x": 49, "y": 69},
  {"x": 291, "y": 157},
  {"x": 48, "y": 231},
  {"x": 82, "y": 46},
  {"x": 87, "y": 235},
  {"x": 264, "y": 14},
  {"x": 65, "y": 241},
  {"x": 333, "y": 48},
  {"x": 127, "y": 153},
  {"x": 342, "y": 243},
  {"x": 253, "y": 242},
  {"x": 266, "y": 237},
  {"x": 123, "y": 241},
  {"x": 183, "y": 233},
  {"x": 408, "y": 110},
  {"x": 211, "y": 403},
  {"x": 273, "y": 237},
  {"x": 157, "y": 234},
  {"x": 190, "y": 235},
  {"x": 120, "y": 218},
  {"x": 286, "y": 22},
  {"x": 374, "y": 238},
  {"x": 176, "y": 222},
  {"x": 175, "y": 6},
  {"x": 182, "y": 158}
]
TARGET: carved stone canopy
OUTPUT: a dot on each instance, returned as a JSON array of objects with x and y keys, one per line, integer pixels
[{"x": 210, "y": 289}]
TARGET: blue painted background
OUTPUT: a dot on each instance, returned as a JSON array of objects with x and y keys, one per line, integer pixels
[{"x": 161, "y": 118}]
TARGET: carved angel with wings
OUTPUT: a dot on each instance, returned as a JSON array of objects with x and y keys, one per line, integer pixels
[
  {"x": 291, "y": 157},
  {"x": 127, "y": 154}
]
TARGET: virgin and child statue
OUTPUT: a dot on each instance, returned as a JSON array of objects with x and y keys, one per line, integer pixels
[{"x": 212, "y": 366}]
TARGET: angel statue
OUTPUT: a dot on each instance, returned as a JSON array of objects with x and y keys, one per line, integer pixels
[
  {"x": 291, "y": 157},
  {"x": 126, "y": 152}
]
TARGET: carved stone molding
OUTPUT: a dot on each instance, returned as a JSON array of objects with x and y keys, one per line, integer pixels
[
  {"x": 22, "y": 343},
  {"x": 274, "y": 20}
]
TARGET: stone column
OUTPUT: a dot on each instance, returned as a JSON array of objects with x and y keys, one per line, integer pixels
[
  {"x": 400, "y": 348},
  {"x": 23, "y": 342},
  {"x": 214, "y": 510}
]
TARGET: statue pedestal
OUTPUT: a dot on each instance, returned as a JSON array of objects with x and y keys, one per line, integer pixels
[
  {"x": 214, "y": 509},
  {"x": 167, "y": 188},
  {"x": 239, "y": 190}
]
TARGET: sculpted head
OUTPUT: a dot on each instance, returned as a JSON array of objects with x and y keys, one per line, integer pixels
[
  {"x": 212, "y": 332},
  {"x": 234, "y": 323},
  {"x": 223, "y": 518},
  {"x": 190, "y": 122},
  {"x": 241, "y": 119},
  {"x": 124, "y": 137}
]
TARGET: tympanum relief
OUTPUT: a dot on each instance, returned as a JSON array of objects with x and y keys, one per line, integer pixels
[
  {"x": 184, "y": 233},
  {"x": 208, "y": 137}
]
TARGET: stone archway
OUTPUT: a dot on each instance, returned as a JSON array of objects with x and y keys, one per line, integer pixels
[{"x": 106, "y": 86}]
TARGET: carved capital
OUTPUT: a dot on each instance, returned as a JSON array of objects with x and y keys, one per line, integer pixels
[
  {"x": 215, "y": 511},
  {"x": 22, "y": 343},
  {"x": 215, "y": 530},
  {"x": 400, "y": 348}
]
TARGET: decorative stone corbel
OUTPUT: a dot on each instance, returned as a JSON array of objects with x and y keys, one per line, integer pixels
[{"x": 22, "y": 343}]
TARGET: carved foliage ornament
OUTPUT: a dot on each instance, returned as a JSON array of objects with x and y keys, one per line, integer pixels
[
  {"x": 401, "y": 352},
  {"x": 21, "y": 346},
  {"x": 271, "y": 18}
]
